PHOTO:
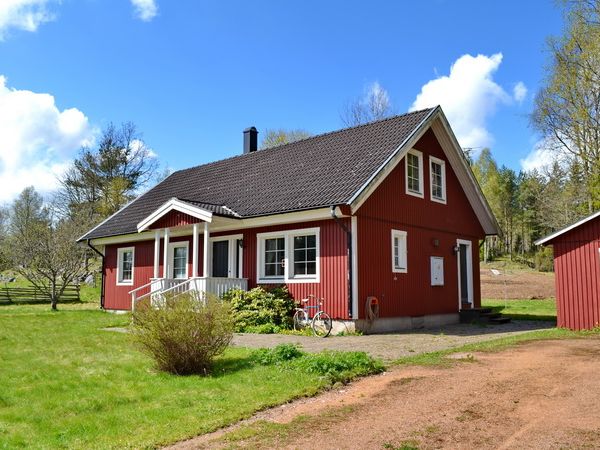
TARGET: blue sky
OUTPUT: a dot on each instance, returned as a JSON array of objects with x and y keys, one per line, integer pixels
[{"x": 193, "y": 74}]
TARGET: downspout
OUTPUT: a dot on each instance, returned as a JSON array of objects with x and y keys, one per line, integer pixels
[
  {"x": 102, "y": 272},
  {"x": 349, "y": 245}
]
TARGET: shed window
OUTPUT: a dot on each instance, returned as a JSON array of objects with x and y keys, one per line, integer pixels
[
  {"x": 399, "y": 252},
  {"x": 414, "y": 173},
  {"x": 438, "y": 179},
  {"x": 125, "y": 265}
]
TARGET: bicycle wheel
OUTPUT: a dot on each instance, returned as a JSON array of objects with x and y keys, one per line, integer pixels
[
  {"x": 300, "y": 319},
  {"x": 321, "y": 324}
]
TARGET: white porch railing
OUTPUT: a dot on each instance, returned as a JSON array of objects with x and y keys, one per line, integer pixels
[{"x": 158, "y": 287}]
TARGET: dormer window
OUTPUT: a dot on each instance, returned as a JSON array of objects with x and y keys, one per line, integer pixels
[{"x": 414, "y": 173}]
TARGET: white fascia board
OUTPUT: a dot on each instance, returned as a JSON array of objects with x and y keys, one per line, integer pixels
[
  {"x": 174, "y": 205},
  {"x": 390, "y": 163},
  {"x": 222, "y": 224},
  {"x": 445, "y": 136},
  {"x": 550, "y": 237}
]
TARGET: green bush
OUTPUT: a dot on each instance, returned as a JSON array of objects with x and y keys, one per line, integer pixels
[
  {"x": 339, "y": 366},
  {"x": 544, "y": 260},
  {"x": 261, "y": 310},
  {"x": 332, "y": 366},
  {"x": 185, "y": 333}
]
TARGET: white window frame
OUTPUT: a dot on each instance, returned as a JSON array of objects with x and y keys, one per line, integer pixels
[
  {"x": 288, "y": 261},
  {"x": 442, "y": 163},
  {"x": 172, "y": 247},
  {"x": 402, "y": 237},
  {"x": 419, "y": 155},
  {"x": 120, "y": 251}
]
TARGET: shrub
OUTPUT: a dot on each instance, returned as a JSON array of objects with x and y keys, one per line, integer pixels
[
  {"x": 276, "y": 355},
  {"x": 340, "y": 366},
  {"x": 185, "y": 333},
  {"x": 265, "y": 311},
  {"x": 544, "y": 260}
]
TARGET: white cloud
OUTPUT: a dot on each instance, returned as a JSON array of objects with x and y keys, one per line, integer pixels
[
  {"x": 145, "y": 10},
  {"x": 543, "y": 155},
  {"x": 469, "y": 96},
  {"x": 520, "y": 91},
  {"x": 37, "y": 140},
  {"x": 25, "y": 15}
]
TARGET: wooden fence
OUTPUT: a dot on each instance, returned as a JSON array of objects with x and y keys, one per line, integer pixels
[{"x": 31, "y": 294}]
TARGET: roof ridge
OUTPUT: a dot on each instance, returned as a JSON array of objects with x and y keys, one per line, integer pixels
[{"x": 327, "y": 133}]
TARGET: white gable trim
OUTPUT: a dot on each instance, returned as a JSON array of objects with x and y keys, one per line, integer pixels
[
  {"x": 174, "y": 205},
  {"x": 566, "y": 229},
  {"x": 437, "y": 121}
]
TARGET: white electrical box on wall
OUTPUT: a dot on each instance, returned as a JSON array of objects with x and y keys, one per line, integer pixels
[{"x": 437, "y": 271}]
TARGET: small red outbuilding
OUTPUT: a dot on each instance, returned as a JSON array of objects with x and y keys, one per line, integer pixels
[{"x": 577, "y": 273}]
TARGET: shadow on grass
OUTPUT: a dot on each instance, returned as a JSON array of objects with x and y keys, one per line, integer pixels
[
  {"x": 226, "y": 365},
  {"x": 524, "y": 316}
]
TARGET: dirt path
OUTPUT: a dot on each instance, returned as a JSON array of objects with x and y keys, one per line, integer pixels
[
  {"x": 538, "y": 395},
  {"x": 516, "y": 284}
]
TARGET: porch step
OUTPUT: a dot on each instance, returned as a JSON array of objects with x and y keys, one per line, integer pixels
[{"x": 482, "y": 315}]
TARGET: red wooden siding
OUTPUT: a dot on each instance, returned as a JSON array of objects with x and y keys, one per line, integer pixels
[
  {"x": 389, "y": 207},
  {"x": 174, "y": 219},
  {"x": 333, "y": 285},
  {"x": 577, "y": 275}
]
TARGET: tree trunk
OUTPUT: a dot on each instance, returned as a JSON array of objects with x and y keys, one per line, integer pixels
[{"x": 53, "y": 303}]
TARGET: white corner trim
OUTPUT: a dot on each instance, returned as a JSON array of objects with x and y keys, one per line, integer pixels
[
  {"x": 354, "y": 230},
  {"x": 548, "y": 238},
  {"x": 174, "y": 205}
]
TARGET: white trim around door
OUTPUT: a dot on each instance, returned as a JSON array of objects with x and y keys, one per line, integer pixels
[
  {"x": 469, "y": 271},
  {"x": 235, "y": 253}
]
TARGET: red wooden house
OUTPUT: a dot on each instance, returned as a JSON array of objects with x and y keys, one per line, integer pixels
[
  {"x": 389, "y": 210},
  {"x": 577, "y": 273}
]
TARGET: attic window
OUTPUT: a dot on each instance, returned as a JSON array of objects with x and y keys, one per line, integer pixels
[
  {"x": 414, "y": 173},
  {"x": 437, "y": 169}
]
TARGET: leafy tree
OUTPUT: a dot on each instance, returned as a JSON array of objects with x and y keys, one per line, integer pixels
[
  {"x": 103, "y": 179},
  {"x": 567, "y": 110},
  {"x": 374, "y": 105},
  {"x": 280, "y": 136},
  {"x": 42, "y": 250}
]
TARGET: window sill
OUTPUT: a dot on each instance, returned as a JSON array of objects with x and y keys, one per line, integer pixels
[
  {"x": 124, "y": 283},
  {"x": 415, "y": 194},
  {"x": 399, "y": 270},
  {"x": 439, "y": 200}
]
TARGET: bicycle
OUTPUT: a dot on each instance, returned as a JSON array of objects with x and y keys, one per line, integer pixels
[{"x": 320, "y": 323}]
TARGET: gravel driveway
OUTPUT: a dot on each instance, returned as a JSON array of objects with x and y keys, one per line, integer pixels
[{"x": 393, "y": 346}]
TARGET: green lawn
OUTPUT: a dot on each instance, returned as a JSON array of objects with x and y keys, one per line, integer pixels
[
  {"x": 544, "y": 309},
  {"x": 65, "y": 382}
]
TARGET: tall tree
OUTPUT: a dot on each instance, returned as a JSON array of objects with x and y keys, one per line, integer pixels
[
  {"x": 103, "y": 179},
  {"x": 374, "y": 105},
  {"x": 567, "y": 108},
  {"x": 280, "y": 136}
]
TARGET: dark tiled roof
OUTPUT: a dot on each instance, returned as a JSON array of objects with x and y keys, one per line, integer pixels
[{"x": 316, "y": 172}]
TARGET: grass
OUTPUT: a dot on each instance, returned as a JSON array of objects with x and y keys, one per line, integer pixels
[
  {"x": 65, "y": 382},
  {"x": 544, "y": 309},
  {"x": 440, "y": 358}
]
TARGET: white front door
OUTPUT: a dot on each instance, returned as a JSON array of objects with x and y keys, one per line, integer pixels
[{"x": 465, "y": 272}]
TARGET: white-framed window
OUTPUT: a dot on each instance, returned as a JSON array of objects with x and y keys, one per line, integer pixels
[
  {"x": 125, "y": 265},
  {"x": 437, "y": 171},
  {"x": 178, "y": 260},
  {"x": 288, "y": 256},
  {"x": 414, "y": 173},
  {"x": 399, "y": 252}
]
